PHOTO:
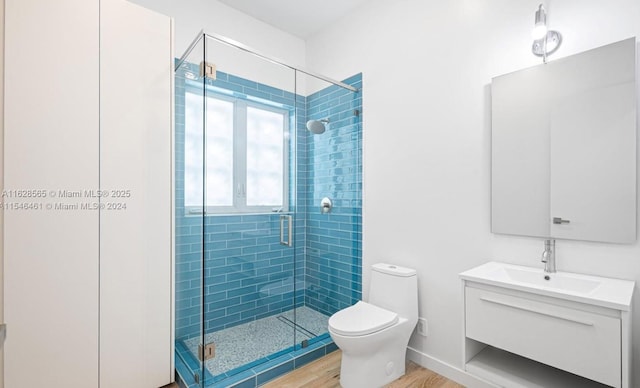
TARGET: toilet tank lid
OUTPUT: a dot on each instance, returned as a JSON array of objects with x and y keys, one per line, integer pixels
[{"x": 395, "y": 270}]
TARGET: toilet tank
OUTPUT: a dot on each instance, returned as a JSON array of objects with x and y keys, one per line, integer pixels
[{"x": 394, "y": 288}]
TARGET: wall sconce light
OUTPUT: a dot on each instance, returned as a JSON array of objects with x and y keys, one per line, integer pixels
[{"x": 545, "y": 41}]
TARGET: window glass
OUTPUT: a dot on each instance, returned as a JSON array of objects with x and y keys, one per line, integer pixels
[
  {"x": 245, "y": 155},
  {"x": 219, "y": 152},
  {"x": 193, "y": 166},
  {"x": 265, "y": 155}
]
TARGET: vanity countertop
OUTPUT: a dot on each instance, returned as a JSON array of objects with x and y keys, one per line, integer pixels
[{"x": 593, "y": 290}]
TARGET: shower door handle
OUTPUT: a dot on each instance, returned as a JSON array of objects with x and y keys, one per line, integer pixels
[{"x": 289, "y": 241}]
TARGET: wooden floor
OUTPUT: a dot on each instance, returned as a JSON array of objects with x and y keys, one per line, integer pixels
[{"x": 325, "y": 373}]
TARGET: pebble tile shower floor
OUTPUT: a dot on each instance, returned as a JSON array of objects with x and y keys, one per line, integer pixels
[{"x": 243, "y": 344}]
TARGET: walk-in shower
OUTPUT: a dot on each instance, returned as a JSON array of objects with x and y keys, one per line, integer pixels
[{"x": 259, "y": 266}]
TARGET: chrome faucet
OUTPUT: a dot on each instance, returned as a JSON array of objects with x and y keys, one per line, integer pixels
[{"x": 549, "y": 256}]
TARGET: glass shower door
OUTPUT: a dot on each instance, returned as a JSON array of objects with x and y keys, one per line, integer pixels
[
  {"x": 189, "y": 218},
  {"x": 250, "y": 222}
]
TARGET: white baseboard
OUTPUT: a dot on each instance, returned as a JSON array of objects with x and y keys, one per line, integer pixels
[{"x": 447, "y": 370}]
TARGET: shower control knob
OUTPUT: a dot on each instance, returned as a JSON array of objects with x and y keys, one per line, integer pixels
[{"x": 326, "y": 205}]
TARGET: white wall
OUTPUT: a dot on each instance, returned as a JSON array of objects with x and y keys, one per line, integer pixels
[
  {"x": 191, "y": 16},
  {"x": 1, "y": 188},
  {"x": 427, "y": 69}
]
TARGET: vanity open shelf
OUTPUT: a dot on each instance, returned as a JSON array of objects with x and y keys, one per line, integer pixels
[
  {"x": 525, "y": 328},
  {"x": 511, "y": 370}
]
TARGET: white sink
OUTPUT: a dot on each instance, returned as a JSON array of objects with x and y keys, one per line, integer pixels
[
  {"x": 559, "y": 280},
  {"x": 606, "y": 292}
]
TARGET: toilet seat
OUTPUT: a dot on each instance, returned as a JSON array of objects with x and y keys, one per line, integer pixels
[{"x": 361, "y": 319}]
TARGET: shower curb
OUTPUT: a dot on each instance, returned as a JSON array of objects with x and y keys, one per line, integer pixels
[{"x": 270, "y": 370}]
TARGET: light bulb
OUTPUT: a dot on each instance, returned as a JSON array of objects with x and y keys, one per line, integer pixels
[
  {"x": 539, "y": 31},
  {"x": 540, "y": 24}
]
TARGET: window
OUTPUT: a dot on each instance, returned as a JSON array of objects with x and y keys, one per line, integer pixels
[{"x": 246, "y": 150}]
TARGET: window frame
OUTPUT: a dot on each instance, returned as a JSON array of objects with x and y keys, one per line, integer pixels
[{"x": 239, "y": 198}]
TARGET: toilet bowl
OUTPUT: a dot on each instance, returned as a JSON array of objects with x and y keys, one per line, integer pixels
[{"x": 374, "y": 336}]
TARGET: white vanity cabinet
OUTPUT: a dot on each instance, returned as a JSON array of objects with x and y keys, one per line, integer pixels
[{"x": 521, "y": 331}]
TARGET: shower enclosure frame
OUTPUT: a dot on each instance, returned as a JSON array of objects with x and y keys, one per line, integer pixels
[
  {"x": 324, "y": 346},
  {"x": 222, "y": 39}
]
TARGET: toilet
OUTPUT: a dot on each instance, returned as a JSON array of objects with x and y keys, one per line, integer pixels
[{"x": 374, "y": 335}]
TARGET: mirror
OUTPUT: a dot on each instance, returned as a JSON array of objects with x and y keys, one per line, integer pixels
[{"x": 564, "y": 148}]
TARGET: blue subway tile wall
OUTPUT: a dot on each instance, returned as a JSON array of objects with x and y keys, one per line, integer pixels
[
  {"x": 334, "y": 241},
  {"x": 237, "y": 260}
]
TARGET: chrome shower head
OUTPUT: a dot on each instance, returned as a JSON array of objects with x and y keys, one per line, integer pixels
[{"x": 317, "y": 126}]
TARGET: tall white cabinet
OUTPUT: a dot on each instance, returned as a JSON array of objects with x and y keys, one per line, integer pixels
[{"x": 88, "y": 107}]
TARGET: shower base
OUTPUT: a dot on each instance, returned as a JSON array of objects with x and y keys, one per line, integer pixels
[{"x": 244, "y": 346}]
